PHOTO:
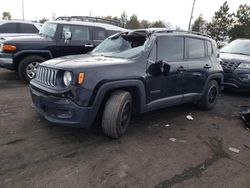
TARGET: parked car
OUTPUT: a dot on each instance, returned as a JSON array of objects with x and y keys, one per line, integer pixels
[
  {"x": 236, "y": 65},
  {"x": 130, "y": 72},
  {"x": 56, "y": 39},
  {"x": 10, "y": 28}
]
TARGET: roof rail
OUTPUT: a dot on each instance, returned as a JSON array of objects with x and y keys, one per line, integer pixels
[
  {"x": 183, "y": 31},
  {"x": 88, "y": 19}
]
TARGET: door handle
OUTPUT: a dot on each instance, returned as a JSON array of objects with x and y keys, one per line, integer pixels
[
  {"x": 89, "y": 45},
  {"x": 181, "y": 69},
  {"x": 207, "y": 66}
]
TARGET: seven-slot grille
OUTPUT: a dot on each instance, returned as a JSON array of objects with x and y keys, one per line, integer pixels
[
  {"x": 46, "y": 76},
  {"x": 229, "y": 66}
]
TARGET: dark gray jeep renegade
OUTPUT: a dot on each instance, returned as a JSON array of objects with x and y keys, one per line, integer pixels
[{"x": 128, "y": 73}]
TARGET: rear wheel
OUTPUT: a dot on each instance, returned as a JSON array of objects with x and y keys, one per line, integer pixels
[
  {"x": 209, "y": 98},
  {"x": 117, "y": 114},
  {"x": 27, "y": 67}
]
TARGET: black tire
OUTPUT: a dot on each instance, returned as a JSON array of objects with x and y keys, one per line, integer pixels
[
  {"x": 24, "y": 66},
  {"x": 117, "y": 114},
  {"x": 209, "y": 98}
]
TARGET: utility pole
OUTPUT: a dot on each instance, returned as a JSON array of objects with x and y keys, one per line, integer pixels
[
  {"x": 23, "y": 9},
  {"x": 191, "y": 17}
]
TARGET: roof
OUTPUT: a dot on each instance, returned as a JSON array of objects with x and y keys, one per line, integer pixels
[
  {"x": 167, "y": 31},
  {"x": 96, "y": 24}
]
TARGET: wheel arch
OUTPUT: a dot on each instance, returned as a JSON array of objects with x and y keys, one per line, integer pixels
[
  {"x": 134, "y": 87},
  {"x": 18, "y": 57}
]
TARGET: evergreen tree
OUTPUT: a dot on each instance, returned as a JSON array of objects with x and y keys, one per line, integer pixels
[
  {"x": 241, "y": 28},
  {"x": 200, "y": 25},
  {"x": 221, "y": 23},
  {"x": 133, "y": 23}
]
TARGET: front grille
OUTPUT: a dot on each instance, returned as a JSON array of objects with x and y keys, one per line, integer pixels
[
  {"x": 46, "y": 76},
  {"x": 229, "y": 66}
]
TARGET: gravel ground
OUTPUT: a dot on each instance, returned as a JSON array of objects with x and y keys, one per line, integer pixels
[{"x": 34, "y": 153}]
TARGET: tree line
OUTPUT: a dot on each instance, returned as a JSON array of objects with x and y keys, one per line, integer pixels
[
  {"x": 226, "y": 25},
  {"x": 130, "y": 23}
]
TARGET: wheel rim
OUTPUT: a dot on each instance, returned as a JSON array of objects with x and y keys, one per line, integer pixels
[
  {"x": 126, "y": 113},
  {"x": 212, "y": 95},
  {"x": 31, "y": 69}
]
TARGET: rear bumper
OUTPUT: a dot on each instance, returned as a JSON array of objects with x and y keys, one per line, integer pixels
[
  {"x": 61, "y": 110},
  {"x": 237, "y": 80},
  {"x": 6, "y": 61}
]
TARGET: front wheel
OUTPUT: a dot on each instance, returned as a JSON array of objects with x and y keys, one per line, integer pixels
[
  {"x": 27, "y": 67},
  {"x": 117, "y": 113},
  {"x": 209, "y": 98}
]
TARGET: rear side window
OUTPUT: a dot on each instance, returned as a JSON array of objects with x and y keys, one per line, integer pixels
[
  {"x": 28, "y": 28},
  {"x": 99, "y": 33},
  {"x": 79, "y": 33},
  {"x": 170, "y": 48},
  {"x": 8, "y": 28},
  {"x": 209, "y": 48},
  {"x": 196, "y": 48}
]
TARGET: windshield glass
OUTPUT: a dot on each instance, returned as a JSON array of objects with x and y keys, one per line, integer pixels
[
  {"x": 237, "y": 47},
  {"x": 48, "y": 29},
  {"x": 125, "y": 45}
]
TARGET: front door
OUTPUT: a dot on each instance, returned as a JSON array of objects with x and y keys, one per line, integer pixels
[
  {"x": 80, "y": 43},
  {"x": 165, "y": 88}
]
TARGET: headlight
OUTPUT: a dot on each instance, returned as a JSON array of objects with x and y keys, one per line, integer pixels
[
  {"x": 244, "y": 66},
  {"x": 67, "y": 78}
]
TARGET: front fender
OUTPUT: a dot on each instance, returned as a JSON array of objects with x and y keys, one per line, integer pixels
[{"x": 137, "y": 87}]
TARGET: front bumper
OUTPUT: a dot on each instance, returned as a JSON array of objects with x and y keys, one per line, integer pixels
[
  {"x": 235, "y": 80},
  {"x": 6, "y": 61},
  {"x": 61, "y": 110}
]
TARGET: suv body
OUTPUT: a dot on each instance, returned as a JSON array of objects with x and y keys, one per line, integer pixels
[
  {"x": 236, "y": 65},
  {"x": 24, "y": 53},
  {"x": 131, "y": 72},
  {"x": 18, "y": 28}
]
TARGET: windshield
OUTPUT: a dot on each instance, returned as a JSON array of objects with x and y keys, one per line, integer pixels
[
  {"x": 48, "y": 29},
  {"x": 125, "y": 45},
  {"x": 237, "y": 47}
]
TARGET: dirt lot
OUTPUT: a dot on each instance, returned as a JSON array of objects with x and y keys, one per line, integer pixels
[{"x": 34, "y": 153}]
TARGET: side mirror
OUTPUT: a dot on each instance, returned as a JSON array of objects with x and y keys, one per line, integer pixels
[
  {"x": 67, "y": 36},
  {"x": 164, "y": 67},
  {"x": 159, "y": 68}
]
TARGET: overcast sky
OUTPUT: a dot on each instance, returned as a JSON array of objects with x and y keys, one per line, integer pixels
[{"x": 177, "y": 12}]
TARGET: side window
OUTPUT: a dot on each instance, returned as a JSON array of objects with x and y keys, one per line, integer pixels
[
  {"x": 27, "y": 28},
  {"x": 8, "y": 28},
  {"x": 99, "y": 33},
  {"x": 170, "y": 48},
  {"x": 79, "y": 33},
  {"x": 196, "y": 48},
  {"x": 209, "y": 48}
]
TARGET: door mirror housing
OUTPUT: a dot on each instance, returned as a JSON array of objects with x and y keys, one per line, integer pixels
[
  {"x": 159, "y": 68},
  {"x": 164, "y": 67},
  {"x": 67, "y": 36}
]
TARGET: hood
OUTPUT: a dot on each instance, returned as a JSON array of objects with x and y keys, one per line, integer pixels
[
  {"x": 26, "y": 38},
  {"x": 83, "y": 61},
  {"x": 235, "y": 57}
]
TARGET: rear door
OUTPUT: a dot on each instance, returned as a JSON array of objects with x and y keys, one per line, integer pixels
[
  {"x": 80, "y": 43},
  {"x": 198, "y": 68}
]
